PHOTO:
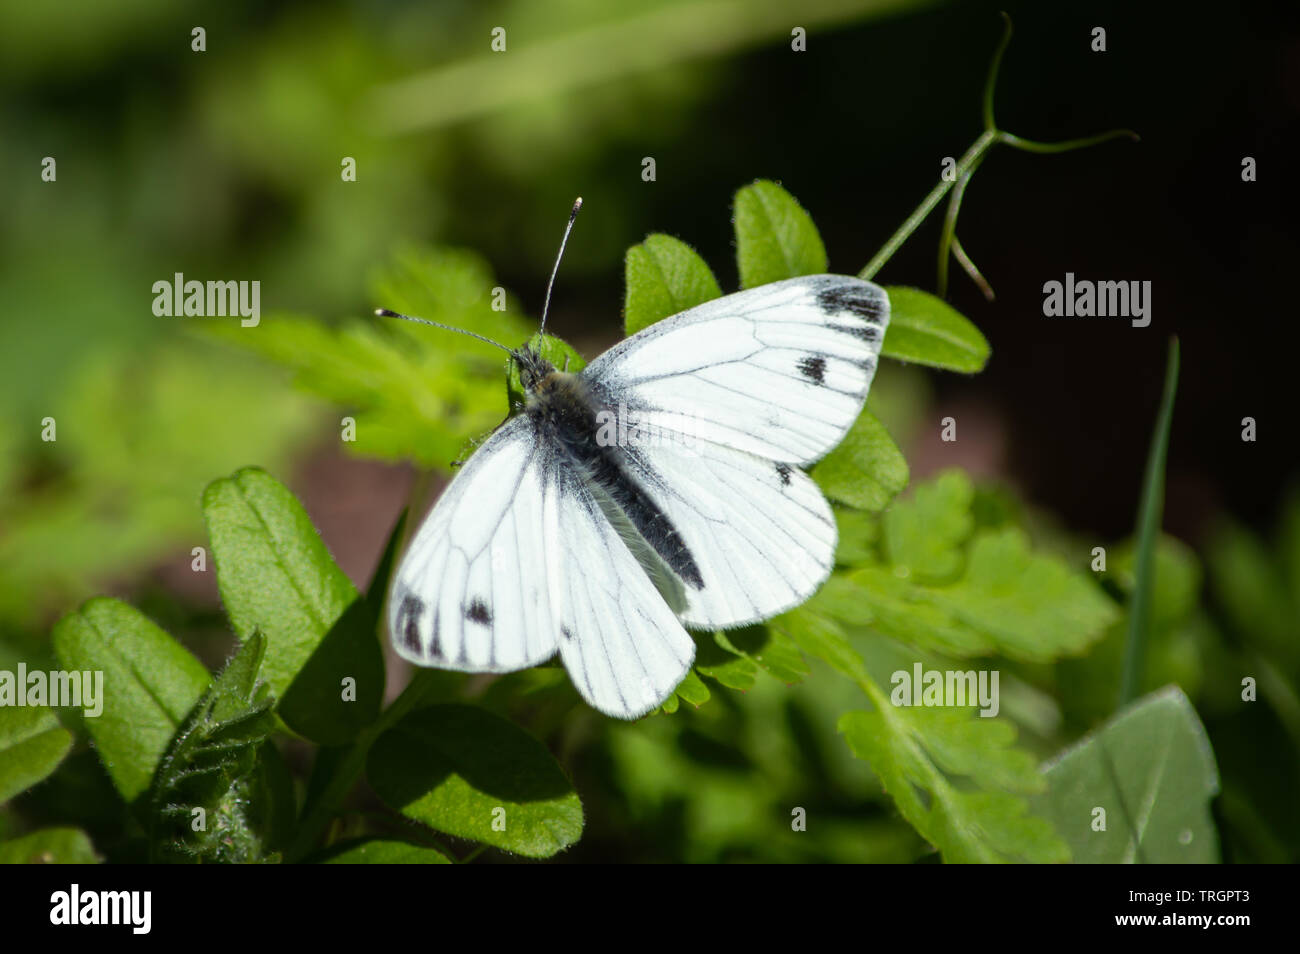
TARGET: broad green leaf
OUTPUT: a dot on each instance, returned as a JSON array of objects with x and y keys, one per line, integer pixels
[
  {"x": 927, "y": 330},
  {"x": 276, "y": 577},
  {"x": 151, "y": 682},
  {"x": 1152, "y": 770},
  {"x": 315, "y": 703},
  {"x": 382, "y": 851},
  {"x": 956, "y": 777},
  {"x": 663, "y": 276},
  {"x": 32, "y": 744},
  {"x": 866, "y": 470},
  {"x": 775, "y": 237},
  {"x": 922, "y": 534},
  {"x": 49, "y": 846},
  {"x": 211, "y": 764},
  {"x": 469, "y": 773}
]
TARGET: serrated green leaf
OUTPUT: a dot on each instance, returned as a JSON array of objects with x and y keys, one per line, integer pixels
[
  {"x": 771, "y": 649},
  {"x": 663, "y": 276},
  {"x": 902, "y": 610},
  {"x": 151, "y": 682},
  {"x": 775, "y": 237},
  {"x": 927, "y": 330},
  {"x": 382, "y": 851},
  {"x": 32, "y": 744},
  {"x": 1020, "y": 604},
  {"x": 858, "y": 531},
  {"x": 914, "y": 750},
  {"x": 822, "y": 639},
  {"x": 276, "y": 576},
  {"x": 841, "y": 598},
  {"x": 49, "y": 846},
  {"x": 690, "y": 690},
  {"x": 1152, "y": 770},
  {"x": 211, "y": 765},
  {"x": 866, "y": 470},
  {"x": 469, "y": 773},
  {"x": 416, "y": 392},
  {"x": 922, "y": 535},
  {"x": 1032, "y": 606}
]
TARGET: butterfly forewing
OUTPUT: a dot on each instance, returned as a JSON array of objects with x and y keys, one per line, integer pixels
[{"x": 780, "y": 371}]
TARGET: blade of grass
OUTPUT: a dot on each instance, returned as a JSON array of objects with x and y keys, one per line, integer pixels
[{"x": 1150, "y": 512}]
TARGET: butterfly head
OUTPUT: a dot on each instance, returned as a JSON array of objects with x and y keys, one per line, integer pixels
[{"x": 533, "y": 368}]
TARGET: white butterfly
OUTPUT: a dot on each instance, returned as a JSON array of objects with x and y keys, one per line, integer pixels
[{"x": 688, "y": 510}]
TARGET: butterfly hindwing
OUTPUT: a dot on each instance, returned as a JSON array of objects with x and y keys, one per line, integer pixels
[
  {"x": 760, "y": 532},
  {"x": 621, "y": 643}
]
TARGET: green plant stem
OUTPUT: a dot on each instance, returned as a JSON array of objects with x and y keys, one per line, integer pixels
[
  {"x": 976, "y": 152},
  {"x": 1148, "y": 529},
  {"x": 949, "y": 233},
  {"x": 964, "y": 260},
  {"x": 966, "y": 167},
  {"x": 354, "y": 762}
]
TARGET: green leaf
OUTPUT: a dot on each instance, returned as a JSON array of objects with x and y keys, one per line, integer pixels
[
  {"x": 866, "y": 470},
  {"x": 690, "y": 690},
  {"x": 211, "y": 765},
  {"x": 1152, "y": 769},
  {"x": 1020, "y": 604},
  {"x": 715, "y": 659},
  {"x": 49, "y": 846},
  {"x": 315, "y": 703},
  {"x": 32, "y": 744},
  {"x": 771, "y": 649},
  {"x": 276, "y": 577},
  {"x": 416, "y": 392},
  {"x": 151, "y": 681},
  {"x": 927, "y": 330},
  {"x": 916, "y": 752},
  {"x": 469, "y": 773},
  {"x": 922, "y": 535},
  {"x": 382, "y": 851},
  {"x": 1033, "y": 607},
  {"x": 663, "y": 276},
  {"x": 858, "y": 533},
  {"x": 822, "y": 639},
  {"x": 775, "y": 237}
]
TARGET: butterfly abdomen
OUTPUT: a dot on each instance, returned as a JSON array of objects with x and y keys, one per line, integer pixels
[{"x": 565, "y": 409}]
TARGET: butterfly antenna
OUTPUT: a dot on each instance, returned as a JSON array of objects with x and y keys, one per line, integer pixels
[
  {"x": 577, "y": 204},
  {"x": 385, "y": 313}
]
